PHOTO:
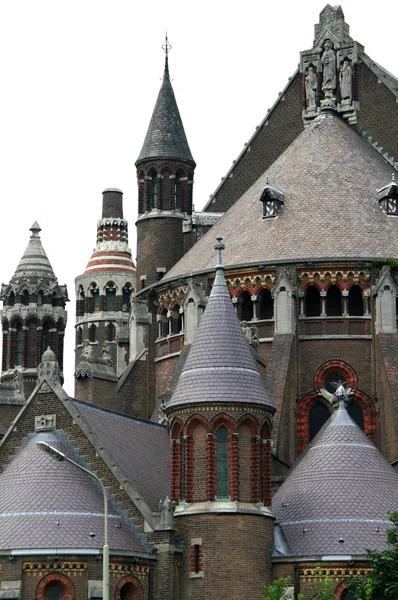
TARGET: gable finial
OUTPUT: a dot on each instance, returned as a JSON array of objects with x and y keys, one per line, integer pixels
[
  {"x": 166, "y": 47},
  {"x": 219, "y": 247}
]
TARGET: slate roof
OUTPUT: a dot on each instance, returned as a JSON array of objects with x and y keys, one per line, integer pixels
[
  {"x": 220, "y": 366},
  {"x": 139, "y": 448},
  {"x": 330, "y": 176},
  {"x": 34, "y": 262},
  {"x": 166, "y": 137},
  {"x": 341, "y": 489},
  {"x": 48, "y": 504}
]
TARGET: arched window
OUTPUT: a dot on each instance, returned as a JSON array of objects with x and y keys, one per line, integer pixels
[
  {"x": 176, "y": 320},
  {"x": 356, "y": 414},
  {"x": 129, "y": 588},
  {"x": 31, "y": 354},
  {"x": 25, "y": 298},
  {"x": 55, "y": 586},
  {"x": 92, "y": 333},
  {"x": 265, "y": 305},
  {"x": 154, "y": 180},
  {"x": 318, "y": 416},
  {"x": 245, "y": 307},
  {"x": 18, "y": 343},
  {"x": 312, "y": 307},
  {"x": 110, "y": 332},
  {"x": 40, "y": 298},
  {"x": 199, "y": 439},
  {"x": 334, "y": 307},
  {"x": 355, "y": 301},
  {"x": 182, "y": 466},
  {"x": 177, "y": 192},
  {"x": 11, "y": 299},
  {"x": 244, "y": 464},
  {"x": 222, "y": 462},
  {"x": 163, "y": 324},
  {"x": 45, "y": 338},
  {"x": 110, "y": 295},
  {"x": 126, "y": 295},
  {"x": 96, "y": 298},
  {"x": 79, "y": 336}
]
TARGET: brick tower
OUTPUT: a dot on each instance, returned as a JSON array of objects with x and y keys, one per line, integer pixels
[
  {"x": 220, "y": 428},
  {"x": 165, "y": 169},
  {"x": 33, "y": 315},
  {"x": 103, "y": 295}
]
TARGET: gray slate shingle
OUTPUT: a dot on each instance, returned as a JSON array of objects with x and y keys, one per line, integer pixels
[
  {"x": 330, "y": 176},
  {"x": 341, "y": 489}
]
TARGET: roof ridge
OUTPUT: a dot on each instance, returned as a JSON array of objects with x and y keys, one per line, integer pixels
[{"x": 115, "y": 412}]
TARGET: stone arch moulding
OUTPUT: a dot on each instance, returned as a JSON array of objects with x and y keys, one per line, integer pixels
[
  {"x": 68, "y": 590},
  {"x": 138, "y": 591},
  {"x": 335, "y": 366}
]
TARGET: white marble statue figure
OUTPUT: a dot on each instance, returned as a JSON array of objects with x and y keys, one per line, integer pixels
[
  {"x": 328, "y": 61},
  {"x": 346, "y": 81},
  {"x": 310, "y": 87}
]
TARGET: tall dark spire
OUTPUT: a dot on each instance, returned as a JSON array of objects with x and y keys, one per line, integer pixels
[{"x": 166, "y": 137}]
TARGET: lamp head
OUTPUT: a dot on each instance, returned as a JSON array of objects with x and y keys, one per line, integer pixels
[{"x": 53, "y": 452}]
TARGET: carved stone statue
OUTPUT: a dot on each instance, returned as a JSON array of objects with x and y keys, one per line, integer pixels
[
  {"x": 346, "y": 81},
  {"x": 251, "y": 335},
  {"x": 164, "y": 399},
  {"x": 328, "y": 61},
  {"x": 166, "y": 509},
  {"x": 87, "y": 352},
  {"x": 18, "y": 381},
  {"x": 106, "y": 355},
  {"x": 310, "y": 87}
]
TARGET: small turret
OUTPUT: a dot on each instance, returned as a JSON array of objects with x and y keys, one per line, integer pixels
[
  {"x": 33, "y": 315},
  {"x": 103, "y": 295}
]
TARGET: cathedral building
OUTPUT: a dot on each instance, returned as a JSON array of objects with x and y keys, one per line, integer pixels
[{"x": 235, "y": 396}]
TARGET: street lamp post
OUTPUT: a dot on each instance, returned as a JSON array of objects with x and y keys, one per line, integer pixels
[{"x": 60, "y": 456}]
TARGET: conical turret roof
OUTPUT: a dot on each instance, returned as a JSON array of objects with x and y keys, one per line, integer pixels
[
  {"x": 34, "y": 262},
  {"x": 43, "y": 501},
  {"x": 220, "y": 366},
  {"x": 166, "y": 137},
  {"x": 337, "y": 498}
]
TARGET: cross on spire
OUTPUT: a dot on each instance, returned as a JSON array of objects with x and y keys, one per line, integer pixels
[{"x": 166, "y": 47}]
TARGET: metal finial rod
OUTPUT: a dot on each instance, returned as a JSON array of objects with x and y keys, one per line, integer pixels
[
  {"x": 166, "y": 47},
  {"x": 219, "y": 247}
]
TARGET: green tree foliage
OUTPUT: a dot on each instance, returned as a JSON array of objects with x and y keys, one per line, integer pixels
[
  {"x": 277, "y": 590},
  {"x": 382, "y": 582},
  {"x": 322, "y": 587}
]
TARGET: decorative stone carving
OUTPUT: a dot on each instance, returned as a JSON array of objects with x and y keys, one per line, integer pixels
[
  {"x": 346, "y": 82},
  {"x": 48, "y": 374},
  {"x": 87, "y": 352},
  {"x": 45, "y": 422},
  {"x": 106, "y": 355},
  {"x": 334, "y": 54},
  {"x": 328, "y": 62},
  {"x": 166, "y": 508},
  {"x": 385, "y": 291},
  {"x": 164, "y": 399},
  {"x": 311, "y": 83},
  {"x": 18, "y": 382},
  {"x": 251, "y": 335},
  {"x": 283, "y": 294}
]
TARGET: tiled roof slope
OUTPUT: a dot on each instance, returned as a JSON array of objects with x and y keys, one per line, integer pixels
[
  {"x": 47, "y": 504},
  {"x": 330, "y": 176},
  {"x": 337, "y": 498},
  {"x": 220, "y": 366},
  {"x": 139, "y": 448},
  {"x": 166, "y": 137}
]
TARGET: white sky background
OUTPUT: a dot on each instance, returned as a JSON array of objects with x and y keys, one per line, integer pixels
[{"x": 79, "y": 80}]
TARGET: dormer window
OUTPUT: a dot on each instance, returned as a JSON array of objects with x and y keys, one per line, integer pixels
[
  {"x": 273, "y": 200},
  {"x": 388, "y": 197}
]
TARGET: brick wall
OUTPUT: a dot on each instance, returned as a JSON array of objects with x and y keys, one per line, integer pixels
[{"x": 235, "y": 555}]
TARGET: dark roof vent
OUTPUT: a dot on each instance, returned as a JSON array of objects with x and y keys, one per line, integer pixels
[
  {"x": 388, "y": 197},
  {"x": 273, "y": 200}
]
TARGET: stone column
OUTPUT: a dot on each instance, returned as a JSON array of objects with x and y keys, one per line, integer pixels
[
  {"x": 344, "y": 294},
  {"x": 322, "y": 294}
]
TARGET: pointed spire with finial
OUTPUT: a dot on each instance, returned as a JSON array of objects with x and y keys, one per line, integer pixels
[
  {"x": 220, "y": 366},
  {"x": 166, "y": 46},
  {"x": 166, "y": 136},
  {"x": 35, "y": 229}
]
